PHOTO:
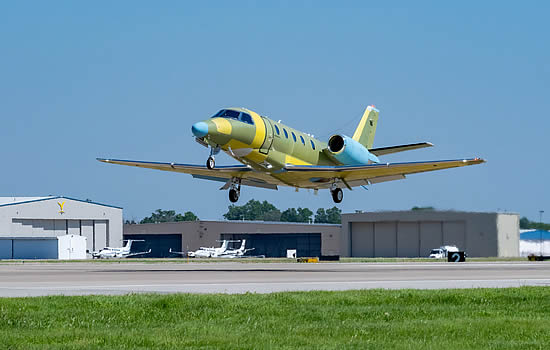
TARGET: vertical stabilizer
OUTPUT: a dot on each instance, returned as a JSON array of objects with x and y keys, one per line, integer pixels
[{"x": 364, "y": 134}]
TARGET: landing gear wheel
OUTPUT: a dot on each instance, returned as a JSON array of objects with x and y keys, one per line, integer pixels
[
  {"x": 233, "y": 195},
  {"x": 337, "y": 195},
  {"x": 210, "y": 163}
]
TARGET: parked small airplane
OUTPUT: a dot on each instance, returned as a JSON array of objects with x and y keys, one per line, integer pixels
[
  {"x": 236, "y": 253},
  {"x": 212, "y": 252},
  {"x": 124, "y": 252},
  {"x": 221, "y": 252},
  {"x": 274, "y": 154}
]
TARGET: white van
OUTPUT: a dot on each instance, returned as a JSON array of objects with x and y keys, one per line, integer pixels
[{"x": 443, "y": 251}]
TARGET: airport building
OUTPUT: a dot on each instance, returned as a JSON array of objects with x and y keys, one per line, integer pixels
[
  {"x": 27, "y": 225},
  {"x": 271, "y": 239},
  {"x": 415, "y": 233}
]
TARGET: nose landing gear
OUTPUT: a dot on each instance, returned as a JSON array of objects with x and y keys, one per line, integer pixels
[{"x": 210, "y": 162}]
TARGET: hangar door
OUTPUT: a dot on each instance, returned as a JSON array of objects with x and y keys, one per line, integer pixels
[
  {"x": 24, "y": 248},
  {"x": 160, "y": 245},
  {"x": 275, "y": 245},
  {"x": 404, "y": 239},
  {"x": 95, "y": 231}
]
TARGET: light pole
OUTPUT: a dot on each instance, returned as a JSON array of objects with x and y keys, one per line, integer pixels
[{"x": 540, "y": 228}]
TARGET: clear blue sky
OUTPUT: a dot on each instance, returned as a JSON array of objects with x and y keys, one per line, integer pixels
[{"x": 127, "y": 79}]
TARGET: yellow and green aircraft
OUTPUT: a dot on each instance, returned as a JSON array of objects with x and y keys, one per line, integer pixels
[{"x": 273, "y": 154}]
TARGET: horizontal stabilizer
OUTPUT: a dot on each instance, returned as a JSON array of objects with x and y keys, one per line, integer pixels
[{"x": 401, "y": 148}]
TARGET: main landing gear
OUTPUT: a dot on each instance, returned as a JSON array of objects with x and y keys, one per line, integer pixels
[
  {"x": 235, "y": 191},
  {"x": 337, "y": 195},
  {"x": 234, "y": 195}
]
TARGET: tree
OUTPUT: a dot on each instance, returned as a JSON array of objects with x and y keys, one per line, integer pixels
[
  {"x": 296, "y": 215},
  {"x": 289, "y": 215},
  {"x": 168, "y": 216},
  {"x": 422, "y": 208},
  {"x": 272, "y": 215},
  {"x": 189, "y": 216},
  {"x": 524, "y": 223},
  {"x": 304, "y": 215},
  {"x": 129, "y": 222},
  {"x": 334, "y": 215},
  {"x": 321, "y": 216},
  {"x": 329, "y": 216},
  {"x": 253, "y": 210}
]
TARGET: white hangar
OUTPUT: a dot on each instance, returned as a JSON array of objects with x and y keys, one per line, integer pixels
[{"x": 24, "y": 218}]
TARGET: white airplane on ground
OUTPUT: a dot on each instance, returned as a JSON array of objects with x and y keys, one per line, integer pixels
[
  {"x": 113, "y": 253},
  {"x": 209, "y": 252},
  {"x": 236, "y": 253}
]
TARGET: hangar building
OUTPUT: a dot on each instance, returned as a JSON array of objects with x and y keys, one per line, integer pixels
[
  {"x": 271, "y": 239},
  {"x": 29, "y": 220},
  {"x": 415, "y": 233},
  {"x": 373, "y": 234}
]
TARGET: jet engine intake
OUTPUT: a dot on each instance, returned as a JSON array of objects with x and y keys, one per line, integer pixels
[{"x": 347, "y": 151}]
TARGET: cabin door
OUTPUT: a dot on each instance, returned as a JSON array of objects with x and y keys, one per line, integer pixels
[{"x": 268, "y": 141}]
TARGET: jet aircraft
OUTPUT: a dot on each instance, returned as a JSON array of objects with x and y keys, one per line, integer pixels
[
  {"x": 211, "y": 252},
  {"x": 273, "y": 154},
  {"x": 236, "y": 253},
  {"x": 113, "y": 253}
]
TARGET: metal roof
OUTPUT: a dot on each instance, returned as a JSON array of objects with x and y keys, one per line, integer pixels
[
  {"x": 536, "y": 235},
  {"x": 7, "y": 201}
]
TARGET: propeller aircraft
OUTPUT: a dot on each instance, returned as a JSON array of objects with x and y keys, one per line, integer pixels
[{"x": 273, "y": 154}]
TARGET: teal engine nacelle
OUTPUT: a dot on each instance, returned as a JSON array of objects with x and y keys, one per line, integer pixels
[{"x": 347, "y": 151}]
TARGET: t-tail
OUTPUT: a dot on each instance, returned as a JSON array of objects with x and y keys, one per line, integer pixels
[{"x": 364, "y": 134}]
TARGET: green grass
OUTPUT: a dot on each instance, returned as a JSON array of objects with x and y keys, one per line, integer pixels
[{"x": 513, "y": 318}]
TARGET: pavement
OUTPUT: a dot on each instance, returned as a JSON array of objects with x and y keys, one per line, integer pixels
[{"x": 85, "y": 278}]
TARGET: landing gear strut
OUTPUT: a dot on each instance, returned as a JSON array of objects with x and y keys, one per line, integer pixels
[{"x": 337, "y": 195}]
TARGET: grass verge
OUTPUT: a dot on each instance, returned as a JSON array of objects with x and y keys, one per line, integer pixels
[{"x": 404, "y": 319}]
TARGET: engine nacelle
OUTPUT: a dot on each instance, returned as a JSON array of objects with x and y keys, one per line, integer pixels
[{"x": 347, "y": 151}]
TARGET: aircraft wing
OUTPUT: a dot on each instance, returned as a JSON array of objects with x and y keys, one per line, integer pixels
[
  {"x": 138, "y": 253},
  {"x": 401, "y": 148},
  {"x": 248, "y": 176},
  {"x": 357, "y": 175}
]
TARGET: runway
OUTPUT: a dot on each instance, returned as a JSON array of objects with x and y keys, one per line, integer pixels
[{"x": 38, "y": 279}]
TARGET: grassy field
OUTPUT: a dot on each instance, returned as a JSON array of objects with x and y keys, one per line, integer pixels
[{"x": 513, "y": 318}]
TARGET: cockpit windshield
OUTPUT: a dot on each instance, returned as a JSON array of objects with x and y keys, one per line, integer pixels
[{"x": 231, "y": 114}]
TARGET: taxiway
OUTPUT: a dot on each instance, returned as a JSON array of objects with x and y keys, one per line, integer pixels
[{"x": 84, "y": 278}]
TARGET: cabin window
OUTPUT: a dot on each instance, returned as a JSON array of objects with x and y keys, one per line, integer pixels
[
  {"x": 277, "y": 129},
  {"x": 312, "y": 144},
  {"x": 246, "y": 118},
  {"x": 294, "y": 136},
  {"x": 286, "y": 133},
  {"x": 302, "y": 139}
]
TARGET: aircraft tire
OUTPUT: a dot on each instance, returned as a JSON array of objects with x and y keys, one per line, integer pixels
[
  {"x": 233, "y": 195},
  {"x": 210, "y": 163},
  {"x": 337, "y": 195}
]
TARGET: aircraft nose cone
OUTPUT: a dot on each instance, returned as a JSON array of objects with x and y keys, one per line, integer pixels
[{"x": 200, "y": 129}]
